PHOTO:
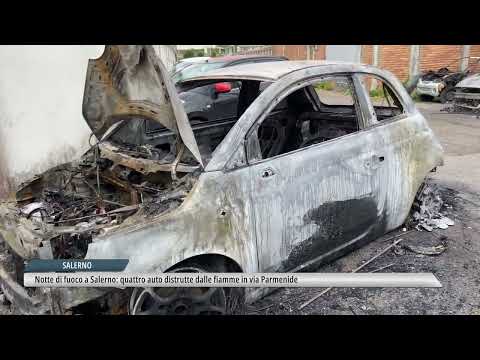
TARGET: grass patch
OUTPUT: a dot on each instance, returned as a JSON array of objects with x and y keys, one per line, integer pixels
[
  {"x": 377, "y": 93},
  {"x": 415, "y": 96},
  {"x": 325, "y": 85}
]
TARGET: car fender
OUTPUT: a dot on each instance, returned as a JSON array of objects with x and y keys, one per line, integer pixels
[{"x": 208, "y": 222}]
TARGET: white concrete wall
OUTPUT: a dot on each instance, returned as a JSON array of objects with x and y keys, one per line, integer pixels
[
  {"x": 41, "y": 122},
  {"x": 350, "y": 53}
]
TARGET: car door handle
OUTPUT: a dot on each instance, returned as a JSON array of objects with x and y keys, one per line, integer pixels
[{"x": 268, "y": 172}]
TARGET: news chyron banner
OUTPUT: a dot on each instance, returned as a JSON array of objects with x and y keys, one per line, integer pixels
[{"x": 111, "y": 273}]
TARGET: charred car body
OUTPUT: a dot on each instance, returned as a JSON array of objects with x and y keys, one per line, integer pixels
[
  {"x": 467, "y": 95},
  {"x": 440, "y": 84},
  {"x": 310, "y": 168}
]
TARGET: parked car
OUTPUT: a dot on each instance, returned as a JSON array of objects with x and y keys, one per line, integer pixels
[
  {"x": 219, "y": 101},
  {"x": 196, "y": 59},
  {"x": 182, "y": 64},
  {"x": 309, "y": 168},
  {"x": 220, "y": 62}
]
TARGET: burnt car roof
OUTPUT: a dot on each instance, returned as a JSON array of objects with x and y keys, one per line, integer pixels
[
  {"x": 269, "y": 71},
  {"x": 235, "y": 58}
]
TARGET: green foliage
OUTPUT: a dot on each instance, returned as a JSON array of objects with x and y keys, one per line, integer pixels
[
  {"x": 325, "y": 85},
  {"x": 215, "y": 52},
  {"x": 378, "y": 92},
  {"x": 189, "y": 53},
  {"x": 416, "y": 97}
]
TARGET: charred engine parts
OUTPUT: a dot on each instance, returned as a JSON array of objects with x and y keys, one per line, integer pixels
[{"x": 69, "y": 204}]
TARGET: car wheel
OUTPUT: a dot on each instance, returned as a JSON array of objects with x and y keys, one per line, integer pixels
[
  {"x": 180, "y": 301},
  {"x": 447, "y": 95}
]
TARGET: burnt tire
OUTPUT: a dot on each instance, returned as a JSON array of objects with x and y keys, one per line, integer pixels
[{"x": 186, "y": 301}]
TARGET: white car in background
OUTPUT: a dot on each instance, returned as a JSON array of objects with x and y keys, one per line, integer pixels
[
  {"x": 182, "y": 64},
  {"x": 195, "y": 59}
]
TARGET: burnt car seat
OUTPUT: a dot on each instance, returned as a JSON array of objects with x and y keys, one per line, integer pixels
[{"x": 315, "y": 127}]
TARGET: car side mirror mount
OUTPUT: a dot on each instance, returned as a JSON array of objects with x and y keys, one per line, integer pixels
[
  {"x": 238, "y": 159},
  {"x": 222, "y": 88}
]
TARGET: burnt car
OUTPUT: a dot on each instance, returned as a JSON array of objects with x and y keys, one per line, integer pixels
[
  {"x": 467, "y": 95},
  {"x": 439, "y": 84},
  {"x": 311, "y": 167}
]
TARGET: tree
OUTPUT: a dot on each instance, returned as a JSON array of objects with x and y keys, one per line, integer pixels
[
  {"x": 193, "y": 53},
  {"x": 215, "y": 52}
]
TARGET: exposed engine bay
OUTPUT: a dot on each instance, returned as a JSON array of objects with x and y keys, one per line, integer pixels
[{"x": 60, "y": 210}]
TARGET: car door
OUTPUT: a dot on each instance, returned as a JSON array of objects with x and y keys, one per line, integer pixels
[
  {"x": 403, "y": 142},
  {"x": 313, "y": 202}
]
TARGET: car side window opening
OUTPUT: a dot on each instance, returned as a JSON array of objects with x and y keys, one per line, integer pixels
[
  {"x": 207, "y": 91},
  {"x": 383, "y": 99},
  {"x": 318, "y": 112}
]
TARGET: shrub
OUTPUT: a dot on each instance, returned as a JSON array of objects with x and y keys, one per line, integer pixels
[
  {"x": 193, "y": 53},
  {"x": 378, "y": 92}
]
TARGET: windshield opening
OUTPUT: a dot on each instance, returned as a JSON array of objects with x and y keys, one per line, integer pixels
[{"x": 195, "y": 70}]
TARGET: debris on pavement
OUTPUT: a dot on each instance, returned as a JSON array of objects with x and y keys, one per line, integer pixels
[
  {"x": 427, "y": 209},
  {"x": 399, "y": 250},
  {"x": 383, "y": 268},
  {"x": 396, "y": 242},
  {"x": 426, "y": 250}
]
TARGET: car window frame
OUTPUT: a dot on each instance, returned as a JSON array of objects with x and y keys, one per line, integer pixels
[
  {"x": 288, "y": 91},
  {"x": 371, "y": 120}
]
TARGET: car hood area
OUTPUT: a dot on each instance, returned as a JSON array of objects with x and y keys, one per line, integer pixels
[
  {"x": 130, "y": 81},
  {"x": 470, "y": 82}
]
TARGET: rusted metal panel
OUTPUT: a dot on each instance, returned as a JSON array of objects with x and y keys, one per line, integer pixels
[
  {"x": 130, "y": 81},
  {"x": 144, "y": 166}
]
